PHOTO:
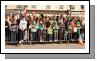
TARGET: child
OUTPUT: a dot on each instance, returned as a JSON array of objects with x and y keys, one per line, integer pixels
[
  {"x": 65, "y": 36},
  {"x": 41, "y": 27},
  {"x": 69, "y": 32},
  {"x": 55, "y": 31},
  {"x": 44, "y": 33},
  {"x": 33, "y": 31},
  {"x": 50, "y": 32},
  {"x": 78, "y": 32}
]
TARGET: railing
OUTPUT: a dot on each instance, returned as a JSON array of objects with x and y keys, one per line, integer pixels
[{"x": 40, "y": 36}]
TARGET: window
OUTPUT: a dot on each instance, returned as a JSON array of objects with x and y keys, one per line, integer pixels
[
  {"x": 47, "y": 6},
  {"x": 34, "y": 6},
  {"x": 19, "y": 6},
  {"x": 72, "y": 6},
  {"x": 61, "y": 6},
  {"x": 25, "y": 6},
  {"x": 82, "y": 7}
]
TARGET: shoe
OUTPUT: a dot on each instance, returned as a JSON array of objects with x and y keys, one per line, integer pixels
[
  {"x": 40, "y": 40},
  {"x": 56, "y": 40},
  {"x": 50, "y": 40},
  {"x": 20, "y": 41}
]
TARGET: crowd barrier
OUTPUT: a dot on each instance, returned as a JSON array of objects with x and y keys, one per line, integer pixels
[{"x": 39, "y": 36}]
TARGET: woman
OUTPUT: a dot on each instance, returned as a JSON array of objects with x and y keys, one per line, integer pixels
[
  {"x": 14, "y": 29},
  {"x": 7, "y": 30}
]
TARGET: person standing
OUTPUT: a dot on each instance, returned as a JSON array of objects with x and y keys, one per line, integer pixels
[
  {"x": 7, "y": 29},
  {"x": 41, "y": 27},
  {"x": 69, "y": 32},
  {"x": 14, "y": 29},
  {"x": 79, "y": 33},
  {"x": 44, "y": 33},
  {"x": 33, "y": 31},
  {"x": 55, "y": 28},
  {"x": 18, "y": 33},
  {"x": 50, "y": 33},
  {"x": 23, "y": 28},
  {"x": 72, "y": 23}
]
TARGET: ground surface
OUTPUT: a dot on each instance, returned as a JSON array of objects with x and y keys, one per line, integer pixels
[{"x": 47, "y": 46}]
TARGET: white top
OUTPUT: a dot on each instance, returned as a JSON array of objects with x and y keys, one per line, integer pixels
[{"x": 23, "y": 24}]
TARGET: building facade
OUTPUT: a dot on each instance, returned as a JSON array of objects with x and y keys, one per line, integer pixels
[{"x": 78, "y": 10}]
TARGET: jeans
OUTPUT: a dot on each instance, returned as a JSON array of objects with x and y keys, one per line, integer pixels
[
  {"x": 33, "y": 36},
  {"x": 13, "y": 36},
  {"x": 82, "y": 36},
  {"x": 50, "y": 37},
  {"x": 7, "y": 35},
  {"x": 40, "y": 35},
  {"x": 44, "y": 35},
  {"x": 55, "y": 35},
  {"x": 74, "y": 35},
  {"x": 23, "y": 35},
  {"x": 69, "y": 36},
  {"x": 60, "y": 34},
  {"x": 37, "y": 34},
  {"x": 65, "y": 36}
]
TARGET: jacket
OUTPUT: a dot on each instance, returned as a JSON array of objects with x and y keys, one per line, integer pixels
[{"x": 23, "y": 24}]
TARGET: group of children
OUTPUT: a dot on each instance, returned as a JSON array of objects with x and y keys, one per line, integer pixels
[{"x": 44, "y": 28}]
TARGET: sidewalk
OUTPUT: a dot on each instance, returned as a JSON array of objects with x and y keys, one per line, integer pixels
[{"x": 47, "y": 46}]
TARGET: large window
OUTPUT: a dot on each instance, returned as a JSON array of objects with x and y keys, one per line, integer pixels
[
  {"x": 47, "y": 6},
  {"x": 19, "y": 6},
  {"x": 25, "y": 6},
  {"x": 61, "y": 6},
  {"x": 82, "y": 7},
  {"x": 72, "y": 6},
  {"x": 34, "y": 6}
]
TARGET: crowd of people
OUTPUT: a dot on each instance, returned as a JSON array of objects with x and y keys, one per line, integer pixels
[{"x": 19, "y": 28}]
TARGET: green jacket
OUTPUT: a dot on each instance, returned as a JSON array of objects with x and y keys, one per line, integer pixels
[
  {"x": 33, "y": 29},
  {"x": 78, "y": 32},
  {"x": 69, "y": 29},
  {"x": 49, "y": 30},
  {"x": 56, "y": 28}
]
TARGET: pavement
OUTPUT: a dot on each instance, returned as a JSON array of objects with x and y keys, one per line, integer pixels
[{"x": 47, "y": 46}]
